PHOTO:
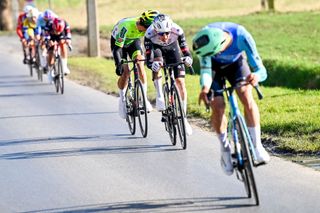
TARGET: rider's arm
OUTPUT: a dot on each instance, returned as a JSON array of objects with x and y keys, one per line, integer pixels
[
  {"x": 67, "y": 31},
  {"x": 248, "y": 44},
  {"x": 205, "y": 72},
  {"x": 184, "y": 46},
  {"x": 149, "y": 47}
]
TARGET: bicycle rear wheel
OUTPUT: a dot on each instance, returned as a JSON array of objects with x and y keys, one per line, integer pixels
[
  {"x": 246, "y": 171},
  {"x": 167, "y": 114},
  {"x": 56, "y": 76},
  {"x": 141, "y": 108},
  {"x": 131, "y": 109},
  {"x": 179, "y": 117}
]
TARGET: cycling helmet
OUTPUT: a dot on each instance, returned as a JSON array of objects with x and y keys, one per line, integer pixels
[
  {"x": 147, "y": 17},
  {"x": 33, "y": 12},
  {"x": 48, "y": 15},
  {"x": 162, "y": 23},
  {"x": 27, "y": 8},
  {"x": 58, "y": 25},
  {"x": 208, "y": 41}
]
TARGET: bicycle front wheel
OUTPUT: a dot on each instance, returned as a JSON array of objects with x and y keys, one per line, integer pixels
[
  {"x": 167, "y": 115},
  {"x": 179, "y": 117},
  {"x": 247, "y": 169},
  {"x": 60, "y": 76},
  {"x": 131, "y": 109},
  {"x": 141, "y": 108}
]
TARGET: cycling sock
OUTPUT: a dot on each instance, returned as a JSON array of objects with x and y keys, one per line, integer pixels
[
  {"x": 255, "y": 134},
  {"x": 157, "y": 84},
  {"x": 225, "y": 145},
  {"x": 122, "y": 93}
]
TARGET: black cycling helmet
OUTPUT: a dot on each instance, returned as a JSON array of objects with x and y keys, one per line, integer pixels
[{"x": 147, "y": 17}]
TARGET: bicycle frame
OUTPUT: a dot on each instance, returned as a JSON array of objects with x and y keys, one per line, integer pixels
[{"x": 234, "y": 113}]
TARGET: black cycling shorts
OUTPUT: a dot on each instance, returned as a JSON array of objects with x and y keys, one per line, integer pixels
[
  {"x": 232, "y": 72},
  {"x": 128, "y": 50},
  {"x": 171, "y": 54}
]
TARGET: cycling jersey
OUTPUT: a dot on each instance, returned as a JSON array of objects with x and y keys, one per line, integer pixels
[
  {"x": 42, "y": 23},
  {"x": 242, "y": 41},
  {"x": 152, "y": 40},
  {"x": 126, "y": 31},
  {"x": 50, "y": 35},
  {"x": 21, "y": 18},
  {"x": 30, "y": 28}
]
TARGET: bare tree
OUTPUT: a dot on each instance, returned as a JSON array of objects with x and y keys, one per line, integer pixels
[
  {"x": 5, "y": 15},
  {"x": 270, "y": 5}
]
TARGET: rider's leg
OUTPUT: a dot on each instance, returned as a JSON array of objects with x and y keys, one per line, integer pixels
[
  {"x": 252, "y": 116},
  {"x": 122, "y": 85},
  {"x": 219, "y": 124},
  {"x": 64, "y": 56},
  {"x": 143, "y": 77}
]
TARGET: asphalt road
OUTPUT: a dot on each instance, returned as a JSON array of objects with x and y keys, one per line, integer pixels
[{"x": 73, "y": 153}]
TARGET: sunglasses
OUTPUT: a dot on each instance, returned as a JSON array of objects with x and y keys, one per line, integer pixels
[{"x": 165, "y": 33}]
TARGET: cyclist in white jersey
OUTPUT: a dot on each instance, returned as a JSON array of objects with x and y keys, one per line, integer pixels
[{"x": 165, "y": 41}]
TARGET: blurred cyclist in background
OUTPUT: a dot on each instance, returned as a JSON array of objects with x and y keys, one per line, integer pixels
[
  {"x": 58, "y": 32},
  {"x": 30, "y": 31},
  {"x": 125, "y": 42}
]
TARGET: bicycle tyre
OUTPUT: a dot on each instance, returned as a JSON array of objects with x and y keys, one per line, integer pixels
[
  {"x": 60, "y": 76},
  {"x": 247, "y": 170},
  {"x": 131, "y": 110},
  {"x": 56, "y": 78},
  {"x": 30, "y": 62},
  {"x": 141, "y": 108},
  {"x": 170, "y": 128},
  {"x": 39, "y": 71},
  {"x": 180, "y": 117}
]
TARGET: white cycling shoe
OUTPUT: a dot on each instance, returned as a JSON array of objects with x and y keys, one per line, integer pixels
[
  {"x": 188, "y": 127},
  {"x": 122, "y": 109},
  {"x": 262, "y": 155},
  {"x": 160, "y": 105},
  {"x": 226, "y": 162}
]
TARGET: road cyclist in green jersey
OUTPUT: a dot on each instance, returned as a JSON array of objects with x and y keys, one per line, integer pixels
[{"x": 126, "y": 42}]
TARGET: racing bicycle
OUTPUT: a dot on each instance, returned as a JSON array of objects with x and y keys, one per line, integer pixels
[{"x": 135, "y": 101}]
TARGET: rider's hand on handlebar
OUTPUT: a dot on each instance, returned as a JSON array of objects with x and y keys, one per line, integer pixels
[
  {"x": 188, "y": 61},
  {"x": 203, "y": 96},
  {"x": 253, "y": 79},
  {"x": 156, "y": 66}
]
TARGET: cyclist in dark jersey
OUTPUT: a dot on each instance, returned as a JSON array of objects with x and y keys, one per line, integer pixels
[
  {"x": 165, "y": 41},
  {"x": 221, "y": 47},
  {"x": 125, "y": 42}
]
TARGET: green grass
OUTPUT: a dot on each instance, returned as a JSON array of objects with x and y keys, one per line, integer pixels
[{"x": 290, "y": 113}]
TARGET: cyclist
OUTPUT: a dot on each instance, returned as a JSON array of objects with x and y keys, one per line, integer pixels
[
  {"x": 43, "y": 22},
  {"x": 19, "y": 31},
  {"x": 30, "y": 30},
  {"x": 164, "y": 40},
  {"x": 125, "y": 41},
  {"x": 220, "y": 47},
  {"x": 58, "y": 31}
]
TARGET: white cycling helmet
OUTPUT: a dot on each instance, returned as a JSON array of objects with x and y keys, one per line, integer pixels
[
  {"x": 162, "y": 23},
  {"x": 34, "y": 12},
  {"x": 27, "y": 8}
]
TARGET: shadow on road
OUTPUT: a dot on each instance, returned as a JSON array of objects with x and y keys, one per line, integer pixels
[{"x": 200, "y": 204}]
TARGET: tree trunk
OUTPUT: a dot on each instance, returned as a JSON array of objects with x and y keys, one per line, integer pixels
[
  {"x": 271, "y": 5},
  {"x": 5, "y": 15},
  {"x": 263, "y": 4}
]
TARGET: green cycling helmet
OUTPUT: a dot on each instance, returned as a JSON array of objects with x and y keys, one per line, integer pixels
[
  {"x": 208, "y": 41},
  {"x": 147, "y": 17}
]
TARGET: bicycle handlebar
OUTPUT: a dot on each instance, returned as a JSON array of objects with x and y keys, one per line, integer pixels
[{"x": 177, "y": 64}]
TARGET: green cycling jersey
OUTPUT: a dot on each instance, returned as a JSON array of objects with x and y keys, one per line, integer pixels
[{"x": 126, "y": 31}]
